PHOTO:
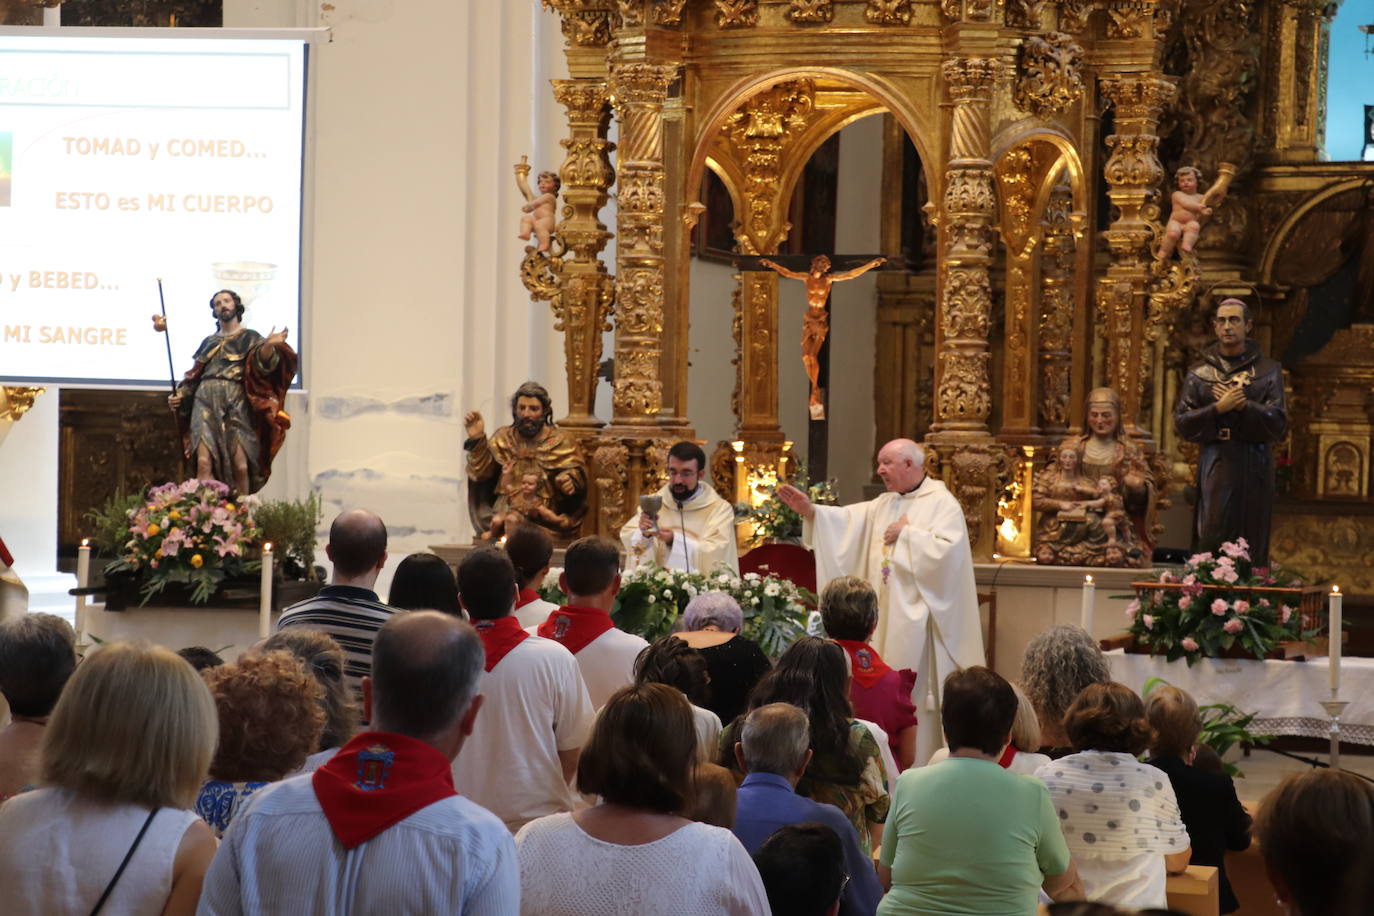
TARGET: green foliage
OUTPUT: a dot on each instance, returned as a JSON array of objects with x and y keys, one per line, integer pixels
[
  {"x": 1223, "y": 726},
  {"x": 651, "y": 599},
  {"x": 110, "y": 523},
  {"x": 290, "y": 526}
]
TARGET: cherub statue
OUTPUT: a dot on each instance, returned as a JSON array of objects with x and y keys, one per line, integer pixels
[
  {"x": 1191, "y": 208},
  {"x": 540, "y": 209}
]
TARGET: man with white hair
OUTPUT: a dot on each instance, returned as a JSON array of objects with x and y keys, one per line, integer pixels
[{"x": 911, "y": 545}]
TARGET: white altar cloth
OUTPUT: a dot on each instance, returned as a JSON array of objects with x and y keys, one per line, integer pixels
[{"x": 1285, "y": 695}]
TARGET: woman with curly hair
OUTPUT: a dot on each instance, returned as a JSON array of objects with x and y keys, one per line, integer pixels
[
  {"x": 1119, "y": 816},
  {"x": 270, "y": 720},
  {"x": 846, "y": 768},
  {"x": 711, "y": 624},
  {"x": 1057, "y": 665},
  {"x": 323, "y": 658}
]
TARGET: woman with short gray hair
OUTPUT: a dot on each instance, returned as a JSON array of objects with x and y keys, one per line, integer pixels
[{"x": 711, "y": 624}]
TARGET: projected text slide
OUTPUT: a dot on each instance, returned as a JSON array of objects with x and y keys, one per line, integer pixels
[{"x": 125, "y": 160}]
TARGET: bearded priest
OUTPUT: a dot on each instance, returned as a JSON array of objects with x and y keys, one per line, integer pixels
[
  {"x": 910, "y": 544},
  {"x": 693, "y": 530}
]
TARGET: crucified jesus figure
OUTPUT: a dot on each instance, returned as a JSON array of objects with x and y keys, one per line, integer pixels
[{"x": 816, "y": 323}]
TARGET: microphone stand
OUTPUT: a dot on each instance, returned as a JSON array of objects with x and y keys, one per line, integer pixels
[{"x": 686, "y": 556}]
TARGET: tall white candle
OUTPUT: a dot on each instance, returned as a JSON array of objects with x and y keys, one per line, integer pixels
[
  {"x": 265, "y": 596},
  {"x": 83, "y": 580},
  {"x": 1334, "y": 638},
  {"x": 1089, "y": 589}
]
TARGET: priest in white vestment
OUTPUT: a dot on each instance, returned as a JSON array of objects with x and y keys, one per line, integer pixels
[
  {"x": 694, "y": 531},
  {"x": 911, "y": 545}
]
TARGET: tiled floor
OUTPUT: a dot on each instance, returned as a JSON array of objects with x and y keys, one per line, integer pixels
[{"x": 1264, "y": 769}]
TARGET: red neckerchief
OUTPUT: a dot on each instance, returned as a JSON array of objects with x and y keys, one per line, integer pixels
[
  {"x": 526, "y": 596},
  {"x": 868, "y": 667},
  {"x": 378, "y": 780},
  {"x": 499, "y": 636},
  {"x": 5, "y": 558},
  {"x": 1007, "y": 757},
  {"x": 575, "y": 626}
]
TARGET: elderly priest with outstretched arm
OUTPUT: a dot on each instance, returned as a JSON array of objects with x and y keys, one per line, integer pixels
[{"x": 911, "y": 544}]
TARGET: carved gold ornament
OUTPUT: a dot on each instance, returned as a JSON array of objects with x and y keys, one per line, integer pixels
[{"x": 1050, "y": 78}]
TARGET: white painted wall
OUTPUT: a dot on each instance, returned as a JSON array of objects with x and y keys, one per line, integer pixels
[
  {"x": 853, "y": 308},
  {"x": 417, "y": 313}
]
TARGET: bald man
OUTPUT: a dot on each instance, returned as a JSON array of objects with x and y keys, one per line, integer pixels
[
  {"x": 380, "y": 828},
  {"x": 911, "y": 545},
  {"x": 348, "y": 608}
]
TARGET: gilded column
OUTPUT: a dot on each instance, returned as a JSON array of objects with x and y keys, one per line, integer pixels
[
  {"x": 963, "y": 398},
  {"x": 1134, "y": 176},
  {"x": 582, "y": 304},
  {"x": 971, "y": 461},
  {"x": 1294, "y": 113},
  {"x": 1058, "y": 253},
  {"x": 638, "y": 91}
]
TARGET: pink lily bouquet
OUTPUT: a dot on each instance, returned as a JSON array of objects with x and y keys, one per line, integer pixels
[
  {"x": 1220, "y": 602},
  {"x": 189, "y": 533}
]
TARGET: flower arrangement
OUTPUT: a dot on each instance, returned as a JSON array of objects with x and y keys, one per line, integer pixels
[
  {"x": 652, "y": 598},
  {"x": 188, "y": 533},
  {"x": 1219, "y": 602},
  {"x": 773, "y": 520}
]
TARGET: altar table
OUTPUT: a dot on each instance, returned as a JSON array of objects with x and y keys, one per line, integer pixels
[{"x": 1285, "y": 695}]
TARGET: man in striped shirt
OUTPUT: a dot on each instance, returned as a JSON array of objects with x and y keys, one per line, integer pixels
[{"x": 348, "y": 608}]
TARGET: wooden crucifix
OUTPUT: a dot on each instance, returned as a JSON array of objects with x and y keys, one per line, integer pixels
[
  {"x": 816, "y": 323},
  {"x": 816, "y": 273}
]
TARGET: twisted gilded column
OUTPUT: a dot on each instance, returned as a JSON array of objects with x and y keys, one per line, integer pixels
[
  {"x": 582, "y": 305},
  {"x": 963, "y": 397},
  {"x": 971, "y": 461},
  {"x": 638, "y": 91},
  {"x": 1134, "y": 176}
]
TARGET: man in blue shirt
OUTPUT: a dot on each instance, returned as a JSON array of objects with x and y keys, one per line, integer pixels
[{"x": 774, "y": 749}]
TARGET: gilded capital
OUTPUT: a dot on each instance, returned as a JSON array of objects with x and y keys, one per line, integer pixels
[
  {"x": 1139, "y": 97},
  {"x": 969, "y": 78},
  {"x": 585, "y": 100},
  {"x": 640, "y": 83},
  {"x": 586, "y": 23}
]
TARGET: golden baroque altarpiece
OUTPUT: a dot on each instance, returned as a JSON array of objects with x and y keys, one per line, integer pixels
[{"x": 1048, "y": 132}]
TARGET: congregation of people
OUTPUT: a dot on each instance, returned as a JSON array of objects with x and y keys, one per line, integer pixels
[{"x": 468, "y": 747}]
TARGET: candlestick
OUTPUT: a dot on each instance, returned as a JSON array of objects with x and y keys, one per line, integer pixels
[
  {"x": 1089, "y": 589},
  {"x": 83, "y": 580},
  {"x": 265, "y": 596},
  {"x": 1333, "y": 631}
]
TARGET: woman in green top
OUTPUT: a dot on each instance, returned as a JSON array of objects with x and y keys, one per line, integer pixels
[{"x": 966, "y": 836}]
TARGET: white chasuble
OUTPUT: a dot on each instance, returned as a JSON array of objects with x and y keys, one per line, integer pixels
[
  {"x": 924, "y": 580},
  {"x": 703, "y": 534}
]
